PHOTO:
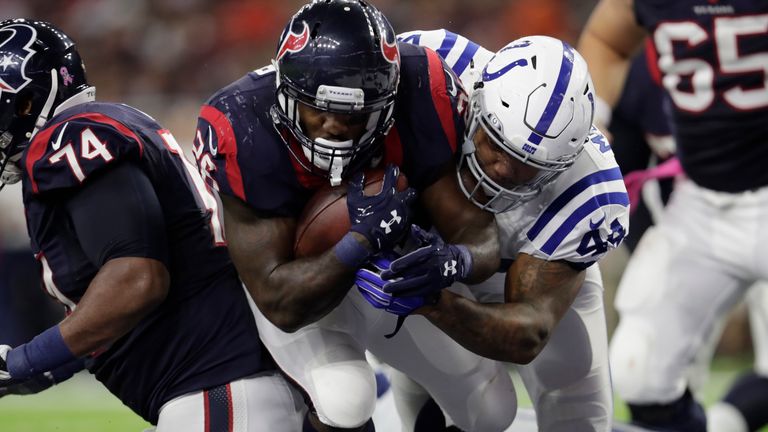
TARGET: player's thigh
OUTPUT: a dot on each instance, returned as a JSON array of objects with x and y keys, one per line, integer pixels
[
  {"x": 670, "y": 299},
  {"x": 326, "y": 359},
  {"x": 569, "y": 381},
  {"x": 477, "y": 393},
  {"x": 261, "y": 403}
]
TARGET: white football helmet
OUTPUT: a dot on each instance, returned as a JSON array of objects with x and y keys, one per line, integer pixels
[{"x": 535, "y": 100}]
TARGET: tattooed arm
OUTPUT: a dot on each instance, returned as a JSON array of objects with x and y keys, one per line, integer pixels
[{"x": 537, "y": 295}]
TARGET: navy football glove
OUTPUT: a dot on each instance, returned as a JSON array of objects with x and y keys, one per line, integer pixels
[
  {"x": 40, "y": 382},
  {"x": 383, "y": 219},
  {"x": 430, "y": 268},
  {"x": 371, "y": 286}
]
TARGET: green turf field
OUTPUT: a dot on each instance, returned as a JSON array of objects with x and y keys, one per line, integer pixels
[{"x": 82, "y": 405}]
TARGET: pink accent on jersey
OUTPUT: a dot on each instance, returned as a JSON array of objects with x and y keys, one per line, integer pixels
[{"x": 635, "y": 180}]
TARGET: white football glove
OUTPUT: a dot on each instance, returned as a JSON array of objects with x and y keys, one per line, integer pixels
[{"x": 4, "y": 375}]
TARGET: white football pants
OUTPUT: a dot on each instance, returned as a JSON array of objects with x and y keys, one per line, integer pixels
[
  {"x": 261, "y": 403},
  {"x": 687, "y": 272},
  {"x": 568, "y": 382},
  {"x": 327, "y": 359}
]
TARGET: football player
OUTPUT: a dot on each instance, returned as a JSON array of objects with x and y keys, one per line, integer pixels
[
  {"x": 700, "y": 259},
  {"x": 130, "y": 241},
  {"x": 343, "y": 95},
  {"x": 531, "y": 157}
]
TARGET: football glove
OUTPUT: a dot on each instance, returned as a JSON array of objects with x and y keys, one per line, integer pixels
[
  {"x": 371, "y": 285},
  {"x": 428, "y": 269},
  {"x": 42, "y": 381},
  {"x": 383, "y": 219}
]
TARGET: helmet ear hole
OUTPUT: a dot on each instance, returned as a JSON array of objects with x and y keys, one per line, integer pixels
[{"x": 24, "y": 103}]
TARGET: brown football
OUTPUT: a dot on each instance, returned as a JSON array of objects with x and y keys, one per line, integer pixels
[{"x": 325, "y": 219}]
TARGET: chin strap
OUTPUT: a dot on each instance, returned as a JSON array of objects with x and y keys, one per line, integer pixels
[{"x": 43, "y": 117}]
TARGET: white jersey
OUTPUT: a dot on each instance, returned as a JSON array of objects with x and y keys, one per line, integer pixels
[
  {"x": 466, "y": 58},
  {"x": 579, "y": 217}
]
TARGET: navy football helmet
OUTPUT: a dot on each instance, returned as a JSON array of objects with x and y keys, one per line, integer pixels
[
  {"x": 339, "y": 56},
  {"x": 40, "y": 69}
]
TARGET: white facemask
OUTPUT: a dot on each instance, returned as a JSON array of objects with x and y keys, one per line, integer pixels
[{"x": 334, "y": 165}]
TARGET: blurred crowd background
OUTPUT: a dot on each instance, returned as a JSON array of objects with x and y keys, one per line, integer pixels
[{"x": 166, "y": 57}]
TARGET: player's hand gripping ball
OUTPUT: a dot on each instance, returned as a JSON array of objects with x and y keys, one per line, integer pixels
[{"x": 325, "y": 219}]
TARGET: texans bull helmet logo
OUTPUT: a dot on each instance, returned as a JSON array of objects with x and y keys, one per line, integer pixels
[
  {"x": 293, "y": 42},
  {"x": 15, "y": 51},
  {"x": 389, "y": 49}
]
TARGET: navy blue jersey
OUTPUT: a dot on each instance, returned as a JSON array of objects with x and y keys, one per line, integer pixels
[
  {"x": 714, "y": 62},
  {"x": 247, "y": 157},
  {"x": 203, "y": 334}
]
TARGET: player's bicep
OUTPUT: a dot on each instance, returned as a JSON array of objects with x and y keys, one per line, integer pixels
[
  {"x": 550, "y": 286},
  {"x": 118, "y": 214},
  {"x": 257, "y": 244}
]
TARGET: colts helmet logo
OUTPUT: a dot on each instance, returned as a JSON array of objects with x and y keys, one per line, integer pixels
[
  {"x": 293, "y": 42},
  {"x": 15, "y": 51},
  {"x": 389, "y": 49}
]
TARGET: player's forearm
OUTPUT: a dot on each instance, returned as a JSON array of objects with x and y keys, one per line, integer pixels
[
  {"x": 483, "y": 244},
  {"x": 608, "y": 68},
  {"x": 302, "y": 291},
  {"x": 609, "y": 40},
  {"x": 506, "y": 332},
  {"x": 123, "y": 292}
]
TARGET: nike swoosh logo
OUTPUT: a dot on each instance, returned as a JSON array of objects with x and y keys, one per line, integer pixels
[
  {"x": 596, "y": 224},
  {"x": 57, "y": 144}
]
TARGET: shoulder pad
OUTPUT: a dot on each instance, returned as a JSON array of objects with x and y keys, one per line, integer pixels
[
  {"x": 240, "y": 154},
  {"x": 463, "y": 56},
  {"x": 429, "y": 114},
  {"x": 65, "y": 154}
]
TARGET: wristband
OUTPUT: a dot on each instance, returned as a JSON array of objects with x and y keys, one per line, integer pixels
[
  {"x": 350, "y": 252},
  {"x": 46, "y": 352}
]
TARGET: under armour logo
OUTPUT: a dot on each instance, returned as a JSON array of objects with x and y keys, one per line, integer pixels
[
  {"x": 449, "y": 268},
  {"x": 395, "y": 220}
]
